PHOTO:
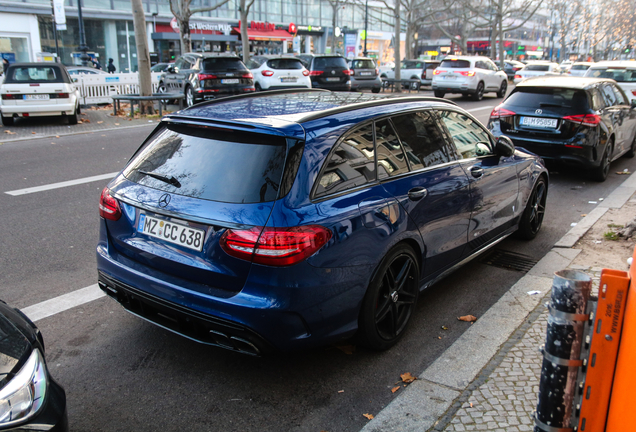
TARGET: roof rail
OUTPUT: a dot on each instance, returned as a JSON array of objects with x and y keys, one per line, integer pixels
[
  {"x": 262, "y": 94},
  {"x": 368, "y": 104}
]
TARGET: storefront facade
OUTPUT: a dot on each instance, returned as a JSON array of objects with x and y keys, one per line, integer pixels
[{"x": 19, "y": 37}]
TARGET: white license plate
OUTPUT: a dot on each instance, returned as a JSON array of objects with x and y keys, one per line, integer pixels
[
  {"x": 230, "y": 81},
  {"x": 365, "y": 73},
  {"x": 538, "y": 122},
  {"x": 182, "y": 235},
  {"x": 450, "y": 77},
  {"x": 333, "y": 79},
  {"x": 288, "y": 79},
  {"x": 36, "y": 97}
]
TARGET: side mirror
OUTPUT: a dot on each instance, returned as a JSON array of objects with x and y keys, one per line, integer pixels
[{"x": 504, "y": 146}]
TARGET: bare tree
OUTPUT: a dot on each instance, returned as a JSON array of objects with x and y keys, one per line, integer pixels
[
  {"x": 567, "y": 11},
  {"x": 244, "y": 9},
  {"x": 335, "y": 6},
  {"x": 143, "y": 56},
  {"x": 182, "y": 11}
]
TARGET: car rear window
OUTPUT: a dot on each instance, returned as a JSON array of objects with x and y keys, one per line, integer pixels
[
  {"x": 541, "y": 68},
  {"x": 617, "y": 74},
  {"x": 431, "y": 66},
  {"x": 285, "y": 64},
  {"x": 412, "y": 65},
  {"x": 537, "y": 97},
  {"x": 580, "y": 67},
  {"x": 323, "y": 62},
  {"x": 34, "y": 75},
  {"x": 222, "y": 64},
  {"x": 363, "y": 64},
  {"x": 455, "y": 64},
  {"x": 211, "y": 164}
]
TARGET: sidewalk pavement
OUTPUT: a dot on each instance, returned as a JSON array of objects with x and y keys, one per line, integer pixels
[
  {"x": 488, "y": 380},
  {"x": 93, "y": 119}
]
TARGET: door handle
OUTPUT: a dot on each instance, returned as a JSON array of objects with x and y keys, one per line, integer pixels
[
  {"x": 476, "y": 171},
  {"x": 417, "y": 193}
]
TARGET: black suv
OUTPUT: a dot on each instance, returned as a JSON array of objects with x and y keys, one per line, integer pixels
[
  {"x": 203, "y": 76},
  {"x": 587, "y": 122},
  {"x": 329, "y": 72}
]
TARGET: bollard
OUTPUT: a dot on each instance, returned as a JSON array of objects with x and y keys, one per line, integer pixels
[{"x": 562, "y": 350}]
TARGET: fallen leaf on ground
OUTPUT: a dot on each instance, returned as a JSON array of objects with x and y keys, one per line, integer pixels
[
  {"x": 407, "y": 377},
  {"x": 467, "y": 318},
  {"x": 347, "y": 349},
  {"x": 623, "y": 172},
  {"x": 9, "y": 132},
  {"x": 439, "y": 337},
  {"x": 100, "y": 122},
  {"x": 394, "y": 389},
  {"x": 369, "y": 416},
  {"x": 80, "y": 122},
  {"x": 116, "y": 124},
  {"x": 340, "y": 391},
  {"x": 86, "y": 121},
  {"x": 57, "y": 136},
  {"x": 444, "y": 328},
  {"x": 471, "y": 404},
  {"x": 33, "y": 133}
]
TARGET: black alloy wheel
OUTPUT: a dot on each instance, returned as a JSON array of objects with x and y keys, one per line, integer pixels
[
  {"x": 502, "y": 90},
  {"x": 479, "y": 93},
  {"x": 600, "y": 173},
  {"x": 390, "y": 300},
  {"x": 532, "y": 217}
]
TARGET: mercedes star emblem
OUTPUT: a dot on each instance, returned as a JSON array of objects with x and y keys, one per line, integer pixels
[
  {"x": 539, "y": 111},
  {"x": 333, "y": 72},
  {"x": 164, "y": 200}
]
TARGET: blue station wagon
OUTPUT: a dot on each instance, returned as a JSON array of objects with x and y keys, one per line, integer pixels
[{"x": 297, "y": 218}]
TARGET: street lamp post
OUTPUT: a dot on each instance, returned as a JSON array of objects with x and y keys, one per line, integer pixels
[
  {"x": 84, "y": 57},
  {"x": 366, "y": 25}
]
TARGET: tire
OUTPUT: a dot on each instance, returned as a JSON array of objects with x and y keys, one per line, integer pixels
[
  {"x": 439, "y": 94},
  {"x": 479, "y": 93},
  {"x": 7, "y": 121},
  {"x": 390, "y": 300},
  {"x": 257, "y": 86},
  {"x": 632, "y": 150},
  {"x": 189, "y": 97},
  {"x": 532, "y": 217},
  {"x": 502, "y": 90},
  {"x": 600, "y": 173},
  {"x": 72, "y": 119},
  {"x": 376, "y": 90}
]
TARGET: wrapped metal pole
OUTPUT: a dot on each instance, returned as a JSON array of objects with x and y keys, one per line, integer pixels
[{"x": 562, "y": 350}]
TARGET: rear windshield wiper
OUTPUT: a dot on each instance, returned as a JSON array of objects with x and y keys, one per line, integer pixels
[{"x": 164, "y": 178}]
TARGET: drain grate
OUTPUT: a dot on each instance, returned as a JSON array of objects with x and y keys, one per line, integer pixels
[{"x": 509, "y": 260}]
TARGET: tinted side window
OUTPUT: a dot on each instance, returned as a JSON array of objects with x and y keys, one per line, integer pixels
[
  {"x": 422, "y": 140},
  {"x": 597, "y": 99},
  {"x": 620, "y": 97},
  {"x": 480, "y": 65},
  {"x": 391, "y": 159},
  {"x": 351, "y": 164},
  {"x": 608, "y": 95},
  {"x": 324, "y": 62},
  {"x": 466, "y": 133},
  {"x": 179, "y": 63}
]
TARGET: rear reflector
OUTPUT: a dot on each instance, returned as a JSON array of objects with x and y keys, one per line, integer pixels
[
  {"x": 574, "y": 146},
  {"x": 275, "y": 246},
  {"x": 584, "y": 119},
  {"x": 109, "y": 206}
]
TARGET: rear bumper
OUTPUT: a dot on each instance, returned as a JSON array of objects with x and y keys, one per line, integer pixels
[
  {"x": 366, "y": 83},
  {"x": 587, "y": 156},
  {"x": 335, "y": 87},
  {"x": 38, "y": 110},
  {"x": 454, "y": 87}
]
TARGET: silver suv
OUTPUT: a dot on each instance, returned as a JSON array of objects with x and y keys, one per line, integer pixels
[{"x": 472, "y": 76}]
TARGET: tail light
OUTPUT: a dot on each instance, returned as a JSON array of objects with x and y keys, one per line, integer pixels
[
  {"x": 500, "y": 112},
  {"x": 515, "y": 69},
  {"x": 248, "y": 75},
  {"x": 438, "y": 71},
  {"x": 59, "y": 96},
  {"x": 466, "y": 73},
  {"x": 316, "y": 73},
  {"x": 109, "y": 206},
  {"x": 305, "y": 72},
  {"x": 267, "y": 73},
  {"x": 11, "y": 96},
  {"x": 275, "y": 246},
  {"x": 584, "y": 119},
  {"x": 423, "y": 75},
  {"x": 203, "y": 76},
  {"x": 518, "y": 76},
  {"x": 377, "y": 71},
  {"x": 634, "y": 92},
  {"x": 347, "y": 72}
]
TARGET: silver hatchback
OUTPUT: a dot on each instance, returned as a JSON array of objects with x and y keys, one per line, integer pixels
[{"x": 364, "y": 74}]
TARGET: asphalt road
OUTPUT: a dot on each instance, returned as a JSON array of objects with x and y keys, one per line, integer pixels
[{"x": 123, "y": 374}]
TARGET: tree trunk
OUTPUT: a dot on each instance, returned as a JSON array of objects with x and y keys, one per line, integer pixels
[
  {"x": 245, "y": 40},
  {"x": 184, "y": 34},
  {"x": 493, "y": 41},
  {"x": 334, "y": 23},
  {"x": 143, "y": 56},
  {"x": 397, "y": 87},
  {"x": 502, "y": 49}
]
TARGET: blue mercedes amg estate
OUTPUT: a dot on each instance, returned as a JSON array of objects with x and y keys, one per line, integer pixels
[{"x": 296, "y": 218}]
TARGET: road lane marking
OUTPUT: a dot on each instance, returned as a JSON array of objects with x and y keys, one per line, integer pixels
[
  {"x": 62, "y": 303},
  {"x": 481, "y": 108},
  {"x": 62, "y": 184}
]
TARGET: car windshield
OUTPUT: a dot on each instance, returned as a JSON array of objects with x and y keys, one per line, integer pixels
[
  {"x": 580, "y": 67},
  {"x": 455, "y": 64},
  {"x": 536, "y": 97},
  {"x": 215, "y": 165},
  {"x": 34, "y": 75},
  {"x": 363, "y": 64},
  {"x": 222, "y": 63},
  {"x": 323, "y": 62},
  {"x": 540, "y": 68},
  {"x": 412, "y": 65},
  {"x": 285, "y": 64},
  {"x": 617, "y": 74}
]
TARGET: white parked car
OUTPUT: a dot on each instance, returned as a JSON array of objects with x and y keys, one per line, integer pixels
[
  {"x": 413, "y": 69},
  {"x": 579, "y": 68},
  {"x": 469, "y": 75},
  {"x": 623, "y": 72},
  {"x": 278, "y": 72},
  {"x": 538, "y": 68},
  {"x": 38, "y": 89},
  {"x": 565, "y": 65}
]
